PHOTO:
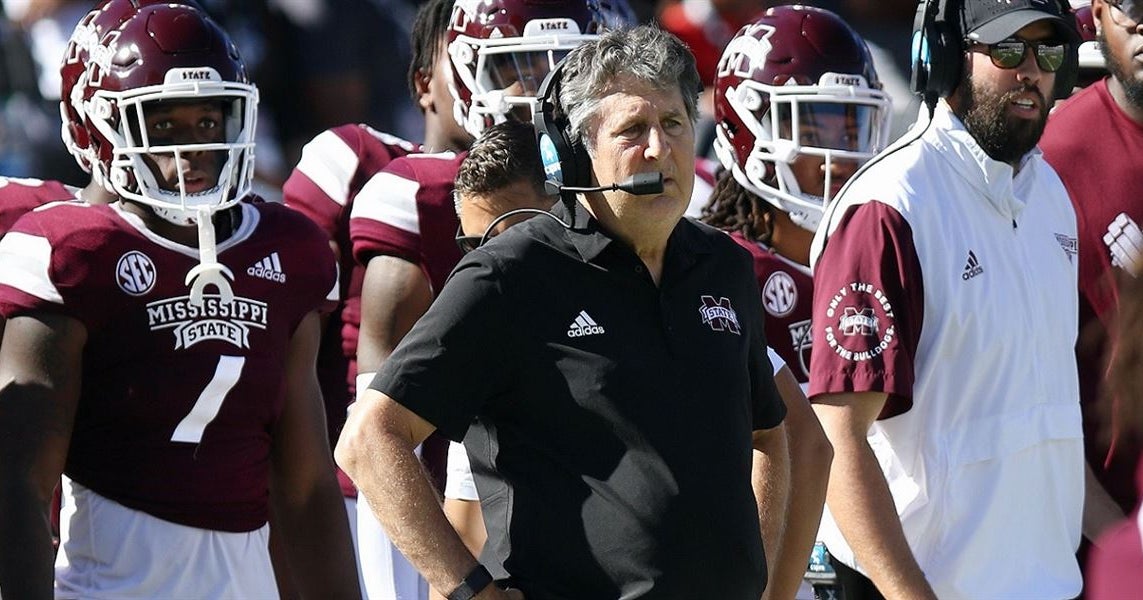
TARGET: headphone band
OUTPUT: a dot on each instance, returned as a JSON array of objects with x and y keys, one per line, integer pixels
[{"x": 938, "y": 49}]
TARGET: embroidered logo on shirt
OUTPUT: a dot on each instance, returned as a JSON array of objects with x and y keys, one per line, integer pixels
[
  {"x": 780, "y": 294},
  {"x": 135, "y": 273},
  {"x": 860, "y": 322},
  {"x": 1070, "y": 245},
  {"x": 268, "y": 268},
  {"x": 719, "y": 314},
  {"x": 972, "y": 267},
  {"x": 584, "y": 325}
]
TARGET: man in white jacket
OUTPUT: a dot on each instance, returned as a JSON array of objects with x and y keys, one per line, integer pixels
[{"x": 944, "y": 322}]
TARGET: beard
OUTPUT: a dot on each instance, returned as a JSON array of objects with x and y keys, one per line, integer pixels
[
  {"x": 1132, "y": 86},
  {"x": 1003, "y": 138}
]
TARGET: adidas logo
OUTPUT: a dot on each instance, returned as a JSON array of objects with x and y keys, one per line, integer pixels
[
  {"x": 584, "y": 325},
  {"x": 268, "y": 268},
  {"x": 972, "y": 268}
]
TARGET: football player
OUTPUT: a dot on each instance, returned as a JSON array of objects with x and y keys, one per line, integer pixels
[
  {"x": 798, "y": 106},
  {"x": 21, "y": 195},
  {"x": 333, "y": 168},
  {"x": 403, "y": 220},
  {"x": 160, "y": 349}
]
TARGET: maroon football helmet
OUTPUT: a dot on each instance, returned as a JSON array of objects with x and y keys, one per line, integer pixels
[
  {"x": 797, "y": 81},
  {"x": 158, "y": 52},
  {"x": 106, "y": 16},
  {"x": 501, "y": 50},
  {"x": 1091, "y": 64}
]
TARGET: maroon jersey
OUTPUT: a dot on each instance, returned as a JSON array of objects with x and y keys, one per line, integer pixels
[
  {"x": 1090, "y": 143},
  {"x": 332, "y": 170},
  {"x": 787, "y": 295},
  {"x": 178, "y": 401},
  {"x": 407, "y": 211},
  {"x": 18, "y": 196}
]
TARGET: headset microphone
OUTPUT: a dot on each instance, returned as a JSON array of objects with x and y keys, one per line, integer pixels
[{"x": 639, "y": 184}]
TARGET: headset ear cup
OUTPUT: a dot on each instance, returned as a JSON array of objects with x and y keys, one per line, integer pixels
[
  {"x": 565, "y": 161},
  {"x": 937, "y": 49},
  {"x": 1068, "y": 73}
]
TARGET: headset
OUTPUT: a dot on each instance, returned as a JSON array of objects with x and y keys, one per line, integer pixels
[
  {"x": 566, "y": 161},
  {"x": 938, "y": 51},
  {"x": 567, "y": 165}
]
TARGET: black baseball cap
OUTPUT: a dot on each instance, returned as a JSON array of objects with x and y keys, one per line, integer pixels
[{"x": 990, "y": 21}]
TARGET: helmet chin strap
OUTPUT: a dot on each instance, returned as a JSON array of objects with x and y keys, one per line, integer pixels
[{"x": 209, "y": 271}]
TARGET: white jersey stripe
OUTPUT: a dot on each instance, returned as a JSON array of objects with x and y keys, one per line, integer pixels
[
  {"x": 330, "y": 164},
  {"x": 24, "y": 261},
  {"x": 587, "y": 317},
  {"x": 581, "y": 322},
  {"x": 389, "y": 199},
  {"x": 276, "y": 262}
]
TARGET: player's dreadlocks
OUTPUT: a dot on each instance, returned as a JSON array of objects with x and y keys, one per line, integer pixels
[
  {"x": 429, "y": 29},
  {"x": 734, "y": 208}
]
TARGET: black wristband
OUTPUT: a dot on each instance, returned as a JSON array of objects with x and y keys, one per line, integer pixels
[{"x": 475, "y": 582}]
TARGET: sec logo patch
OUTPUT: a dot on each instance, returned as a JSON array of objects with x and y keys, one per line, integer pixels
[
  {"x": 135, "y": 273},
  {"x": 780, "y": 294}
]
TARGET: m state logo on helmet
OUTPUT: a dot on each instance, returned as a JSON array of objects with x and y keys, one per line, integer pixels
[
  {"x": 162, "y": 51},
  {"x": 790, "y": 64},
  {"x": 501, "y": 50},
  {"x": 106, "y": 16}
]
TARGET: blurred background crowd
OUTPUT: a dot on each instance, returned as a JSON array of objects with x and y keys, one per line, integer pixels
[{"x": 321, "y": 63}]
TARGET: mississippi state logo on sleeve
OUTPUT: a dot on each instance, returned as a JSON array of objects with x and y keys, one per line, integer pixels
[
  {"x": 719, "y": 315},
  {"x": 859, "y": 322}
]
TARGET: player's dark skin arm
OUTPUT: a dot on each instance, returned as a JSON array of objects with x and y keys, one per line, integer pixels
[
  {"x": 394, "y": 295},
  {"x": 810, "y": 458},
  {"x": 305, "y": 499},
  {"x": 770, "y": 478},
  {"x": 40, "y": 373}
]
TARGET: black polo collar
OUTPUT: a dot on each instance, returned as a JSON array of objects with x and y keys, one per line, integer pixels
[{"x": 686, "y": 244}]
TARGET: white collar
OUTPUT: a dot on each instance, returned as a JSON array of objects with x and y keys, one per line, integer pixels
[{"x": 997, "y": 181}]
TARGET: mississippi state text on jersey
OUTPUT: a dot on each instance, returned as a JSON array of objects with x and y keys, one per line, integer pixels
[{"x": 178, "y": 400}]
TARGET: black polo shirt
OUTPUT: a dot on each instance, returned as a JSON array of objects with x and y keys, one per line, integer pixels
[{"x": 611, "y": 445}]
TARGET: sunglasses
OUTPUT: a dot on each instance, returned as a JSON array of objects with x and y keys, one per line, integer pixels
[
  {"x": 466, "y": 243},
  {"x": 1132, "y": 9},
  {"x": 1010, "y": 53}
]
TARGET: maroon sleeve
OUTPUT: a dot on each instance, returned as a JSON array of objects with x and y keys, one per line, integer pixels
[
  {"x": 18, "y": 196},
  {"x": 385, "y": 219},
  {"x": 868, "y": 308}
]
